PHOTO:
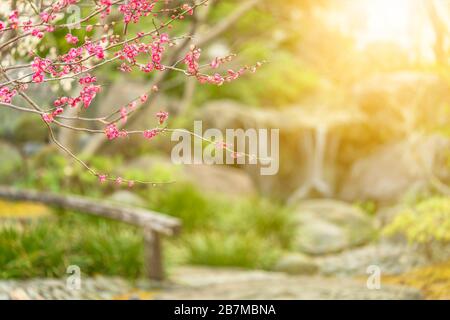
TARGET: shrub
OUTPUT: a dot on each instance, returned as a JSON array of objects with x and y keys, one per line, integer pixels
[{"x": 426, "y": 224}]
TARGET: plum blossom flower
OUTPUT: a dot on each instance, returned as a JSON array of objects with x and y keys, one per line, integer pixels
[
  {"x": 111, "y": 131},
  {"x": 71, "y": 39},
  {"x": 164, "y": 37},
  {"x": 47, "y": 117},
  {"x": 191, "y": 60},
  {"x": 162, "y": 116},
  {"x": 143, "y": 98},
  {"x": 6, "y": 95},
  {"x": 150, "y": 134},
  {"x": 215, "y": 63},
  {"x": 123, "y": 114}
]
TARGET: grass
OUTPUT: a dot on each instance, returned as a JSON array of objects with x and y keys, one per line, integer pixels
[
  {"x": 216, "y": 231},
  {"x": 46, "y": 248}
]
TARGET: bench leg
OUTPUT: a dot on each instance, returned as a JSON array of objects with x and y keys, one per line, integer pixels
[{"x": 153, "y": 255}]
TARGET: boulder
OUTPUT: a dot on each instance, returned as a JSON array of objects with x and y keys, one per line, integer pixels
[
  {"x": 327, "y": 226},
  {"x": 395, "y": 169},
  {"x": 296, "y": 264}
]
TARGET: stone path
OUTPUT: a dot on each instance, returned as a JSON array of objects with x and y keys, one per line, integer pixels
[{"x": 208, "y": 283}]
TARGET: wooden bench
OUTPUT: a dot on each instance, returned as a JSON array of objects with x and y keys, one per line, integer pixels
[{"x": 154, "y": 224}]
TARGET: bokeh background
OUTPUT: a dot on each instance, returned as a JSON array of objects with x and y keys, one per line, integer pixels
[{"x": 360, "y": 90}]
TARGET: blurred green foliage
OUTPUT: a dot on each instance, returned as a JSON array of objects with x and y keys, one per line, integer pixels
[
  {"x": 217, "y": 231},
  {"x": 427, "y": 223}
]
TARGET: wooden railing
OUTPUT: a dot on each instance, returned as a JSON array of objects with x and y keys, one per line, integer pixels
[{"x": 154, "y": 224}]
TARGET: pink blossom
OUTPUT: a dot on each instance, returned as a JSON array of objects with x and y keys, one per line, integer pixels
[
  {"x": 132, "y": 105},
  {"x": 215, "y": 63},
  {"x": 71, "y": 39},
  {"x": 133, "y": 10},
  {"x": 162, "y": 116},
  {"x": 87, "y": 79},
  {"x": 57, "y": 111},
  {"x": 143, "y": 98},
  {"x": 164, "y": 37},
  {"x": 6, "y": 95},
  {"x": 102, "y": 178},
  {"x": 188, "y": 8},
  {"x": 111, "y": 131},
  {"x": 150, "y": 134},
  {"x": 95, "y": 50},
  {"x": 38, "y": 77},
  {"x": 14, "y": 18},
  {"x": 123, "y": 114},
  {"x": 88, "y": 94},
  {"x": 147, "y": 68},
  {"x": 191, "y": 60},
  {"x": 46, "y": 16},
  {"x": 47, "y": 117},
  {"x": 125, "y": 68}
]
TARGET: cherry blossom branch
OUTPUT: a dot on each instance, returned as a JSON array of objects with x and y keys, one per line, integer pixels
[{"x": 78, "y": 63}]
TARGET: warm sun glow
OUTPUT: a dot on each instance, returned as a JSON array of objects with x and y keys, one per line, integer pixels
[
  {"x": 388, "y": 20},
  {"x": 402, "y": 22}
]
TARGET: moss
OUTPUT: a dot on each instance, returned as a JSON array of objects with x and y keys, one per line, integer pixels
[
  {"x": 433, "y": 281},
  {"x": 425, "y": 223},
  {"x": 22, "y": 210}
]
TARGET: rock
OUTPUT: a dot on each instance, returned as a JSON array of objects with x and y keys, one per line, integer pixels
[
  {"x": 319, "y": 237},
  {"x": 221, "y": 179},
  {"x": 4, "y": 296},
  {"x": 393, "y": 170},
  {"x": 296, "y": 264},
  {"x": 19, "y": 294},
  {"x": 327, "y": 226},
  {"x": 235, "y": 284},
  {"x": 391, "y": 258},
  {"x": 127, "y": 198}
]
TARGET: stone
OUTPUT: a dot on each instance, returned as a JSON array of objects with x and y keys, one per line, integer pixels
[
  {"x": 327, "y": 226},
  {"x": 391, "y": 258},
  {"x": 19, "y": 294},
  {"x": 235, "y": 284},
  {"x": 4, "y": 296},
  {"x": 296, "y": 263},
  {"x": 395, "y": 170},
  {"x": 127, "y": 198}
]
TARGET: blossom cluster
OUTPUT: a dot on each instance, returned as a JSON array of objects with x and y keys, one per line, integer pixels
[
  {"x": 133, "y": 10},
  {"x": 6, "y": 94},
  {"x": 146, "y": 52}
]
